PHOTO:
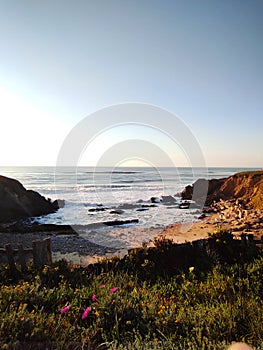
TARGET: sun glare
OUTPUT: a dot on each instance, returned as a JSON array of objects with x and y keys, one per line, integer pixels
[{"x": 29, "y": 135}]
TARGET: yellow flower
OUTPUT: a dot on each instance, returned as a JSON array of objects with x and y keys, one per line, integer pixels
[{"x": 191, "y": 269}]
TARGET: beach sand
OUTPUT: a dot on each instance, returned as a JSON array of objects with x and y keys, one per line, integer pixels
[{"x": 180, "y": 233}]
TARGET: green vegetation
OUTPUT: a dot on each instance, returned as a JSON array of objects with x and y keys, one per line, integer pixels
[{"x": 200, "y": 306}]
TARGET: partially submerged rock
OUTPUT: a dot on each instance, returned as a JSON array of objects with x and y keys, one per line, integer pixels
[{"x": 17, "y": 203}]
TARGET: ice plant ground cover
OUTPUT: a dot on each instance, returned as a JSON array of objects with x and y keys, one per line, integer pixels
[{"x": 111, "y": 306}]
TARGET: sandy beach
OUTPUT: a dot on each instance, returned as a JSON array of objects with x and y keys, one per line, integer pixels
[{"x": 251, "y": 224}]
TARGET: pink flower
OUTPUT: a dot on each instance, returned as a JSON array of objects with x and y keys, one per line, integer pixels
[
  {"x": 113, "y": 290},
  {"x": 85, "y": 313},
  {"x": 65, "y": 309},
  {"x": 94, "y": 297},
  {"x": 102, "y": 286}
]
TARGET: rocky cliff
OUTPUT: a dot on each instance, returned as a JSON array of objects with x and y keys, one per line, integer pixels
[
  {"x": 246, "y": 187},
  {"x": 16, "y": 202}
]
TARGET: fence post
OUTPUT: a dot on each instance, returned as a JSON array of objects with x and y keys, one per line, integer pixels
[
  {"x": 22, "y": 259},
  {"x": 41, "y": 252},
  {"x": 38, "y": 253},
  {"x": 48, "y": 249},
  {"x": 10, "y": 258}
]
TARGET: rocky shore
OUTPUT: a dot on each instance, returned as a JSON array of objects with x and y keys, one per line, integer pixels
[
  {"x": 18, "y": 203},
  {"x": 230, "y": 215},
  {"x": 234, "y": 203}
]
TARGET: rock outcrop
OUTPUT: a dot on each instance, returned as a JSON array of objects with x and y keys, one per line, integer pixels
[
  {"x": 247, "y": 187},
  {"x": 17, "y": 203}
]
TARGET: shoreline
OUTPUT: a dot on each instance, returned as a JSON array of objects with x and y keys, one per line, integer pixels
[{"x": 78, "y": 249}]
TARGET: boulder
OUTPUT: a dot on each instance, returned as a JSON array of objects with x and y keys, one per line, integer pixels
[
  {"x": 59, "y": 203},
  {"x": 201, "y": 190},
  {"x": 168, "y": 200},
  {"x": 18, "y": 203},
  {"x": 117, "y": 211},
  {"x": 156, "y": 200}
]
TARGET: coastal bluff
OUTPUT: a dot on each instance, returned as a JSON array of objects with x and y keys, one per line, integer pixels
[
  {"x": 247, "y": 187},
  {"x": 18, "y": 203}
]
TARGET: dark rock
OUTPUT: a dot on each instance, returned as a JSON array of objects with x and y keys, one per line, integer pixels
[
  {"x": 96, "y": 209},
  {"x": 117, "y": 211},
  {"x": 184, "y": 205},
  {"x": 16, "y": 202},
  {"x": 187, "y": 192},
  {"x": 202, "y": 190},
  {"x": 156, "y": 200},
  {"x": 127, "y": 206},
  {"x": 59, "y": 203},
  {"x": 120, "y": 222},
  {"x": 168, "y": 200}
]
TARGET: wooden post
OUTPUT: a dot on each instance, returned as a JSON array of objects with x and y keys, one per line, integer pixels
[
  {"x": 10, "y": 258},
  {"x": 48, "y": 250},
  {"x": 41, "y": 252},
  {"x": 22, "y": 259},
  {"x": 37, "y": 253}
]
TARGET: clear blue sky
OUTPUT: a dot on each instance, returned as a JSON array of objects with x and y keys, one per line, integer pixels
[{"x": 62, "y": 60}]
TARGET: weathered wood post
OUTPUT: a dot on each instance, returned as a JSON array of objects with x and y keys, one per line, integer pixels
[
  {"x": 10, "y": 258},
  {"x": 49, "y": 251},
  {"x": 41, "y": 252},
  {"x": 22, "y": 258}
]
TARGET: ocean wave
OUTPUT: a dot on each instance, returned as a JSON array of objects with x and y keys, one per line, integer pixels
[{"x": 113, "y": 172}]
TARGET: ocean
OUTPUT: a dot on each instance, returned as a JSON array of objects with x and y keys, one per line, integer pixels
[{"x": 96, "y": 195}]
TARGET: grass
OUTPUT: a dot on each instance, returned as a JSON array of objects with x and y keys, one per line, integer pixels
[{"x": 204, "y": 306}]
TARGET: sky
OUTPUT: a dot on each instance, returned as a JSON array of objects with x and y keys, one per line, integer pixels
[{"x": 62, "y": 61}]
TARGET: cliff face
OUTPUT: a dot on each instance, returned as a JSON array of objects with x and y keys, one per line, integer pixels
[
  {"x": 16, "y": 202},
  {"x": 245, "y": 186}
]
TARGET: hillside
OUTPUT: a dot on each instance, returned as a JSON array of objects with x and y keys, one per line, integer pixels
[{"x": 247, "y": 187}]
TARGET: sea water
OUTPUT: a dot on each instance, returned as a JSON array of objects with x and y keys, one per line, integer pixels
[{"x": 96, "y": 195}]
